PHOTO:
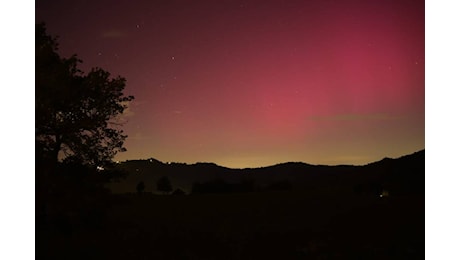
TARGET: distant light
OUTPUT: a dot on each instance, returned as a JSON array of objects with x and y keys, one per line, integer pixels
[
  {"x": 117, "y": 162},
  {"x": 384, "y": 193},
  {"x": 151, "y": 160},
  {"x": 99, "y": 168}
]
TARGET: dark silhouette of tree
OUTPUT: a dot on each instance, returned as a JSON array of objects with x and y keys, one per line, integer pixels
[
  {"x": 178, "y": 191},
  {"x": 140, "y": 187},
  {"x": 77, "y": 115},
  {"x": 164, "y": 185},
  {"x": 77, "y": 133}
]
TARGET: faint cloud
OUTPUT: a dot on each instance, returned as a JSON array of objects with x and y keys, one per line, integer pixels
[
  {"x": 355, "y": 117},
  {"x": 113, "y": 34}
]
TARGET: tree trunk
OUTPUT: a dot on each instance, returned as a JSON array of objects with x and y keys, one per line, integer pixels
[{"x": 56, "y": 149}]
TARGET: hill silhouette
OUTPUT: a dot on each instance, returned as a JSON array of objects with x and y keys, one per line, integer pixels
[
  {"x": 402, "y": 175},
  {"x": 285, "y": 211}
]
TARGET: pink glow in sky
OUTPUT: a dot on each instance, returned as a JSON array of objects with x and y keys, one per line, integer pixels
[{"x": 254, "y": 83}]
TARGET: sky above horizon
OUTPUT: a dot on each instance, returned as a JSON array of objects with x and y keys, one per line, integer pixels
[{"x": 256, "y": 83}]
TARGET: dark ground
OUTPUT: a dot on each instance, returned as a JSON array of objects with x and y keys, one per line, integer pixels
[{"x": 254, "y": 225}]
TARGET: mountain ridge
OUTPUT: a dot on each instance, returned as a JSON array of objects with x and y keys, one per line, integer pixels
[
  {"x": 404, "y": 174},
  {"x": 268, "y": 166}
]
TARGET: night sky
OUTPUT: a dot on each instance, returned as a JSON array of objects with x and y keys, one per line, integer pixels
[{"x": 255, "y": 83}]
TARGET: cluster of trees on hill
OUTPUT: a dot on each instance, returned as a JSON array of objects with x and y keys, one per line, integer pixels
[
  {"x": 217, "y": 185},
  {"x": 401, "y": 176},
  {"x": 163, "y": 185}
]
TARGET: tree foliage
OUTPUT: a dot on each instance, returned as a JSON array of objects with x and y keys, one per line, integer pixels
[
  {"x": 140, "y": 187},
  {"x": 178, "y": 192},
  {"x": 164, "y": 185},
  {"x": 77, "y": 115}
]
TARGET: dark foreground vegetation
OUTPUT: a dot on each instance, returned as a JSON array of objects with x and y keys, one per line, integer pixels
[
  {"x": 330, "y": 222},
  {"x": 259, "y": 225}
]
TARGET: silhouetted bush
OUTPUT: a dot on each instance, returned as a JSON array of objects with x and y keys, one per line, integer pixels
[
  {"x": 140, "y": 187},
  {"x": 164, "y": 185},
  {"x": 179, "y": 192}
]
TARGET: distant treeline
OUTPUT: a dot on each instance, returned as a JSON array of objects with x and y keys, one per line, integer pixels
[
  {"x": 222, "y": 186},
  {"x": 397, "y": 177}
]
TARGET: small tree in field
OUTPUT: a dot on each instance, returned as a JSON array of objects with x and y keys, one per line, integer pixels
[
  {"x": 140, "y": 187},
  {"x": 164, "y": 185}
]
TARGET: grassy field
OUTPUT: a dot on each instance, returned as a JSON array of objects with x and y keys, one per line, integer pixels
[{"x": 258, "y": 225}]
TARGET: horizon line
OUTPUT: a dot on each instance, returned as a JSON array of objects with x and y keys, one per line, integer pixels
[{"x": 271, "y": 165}]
